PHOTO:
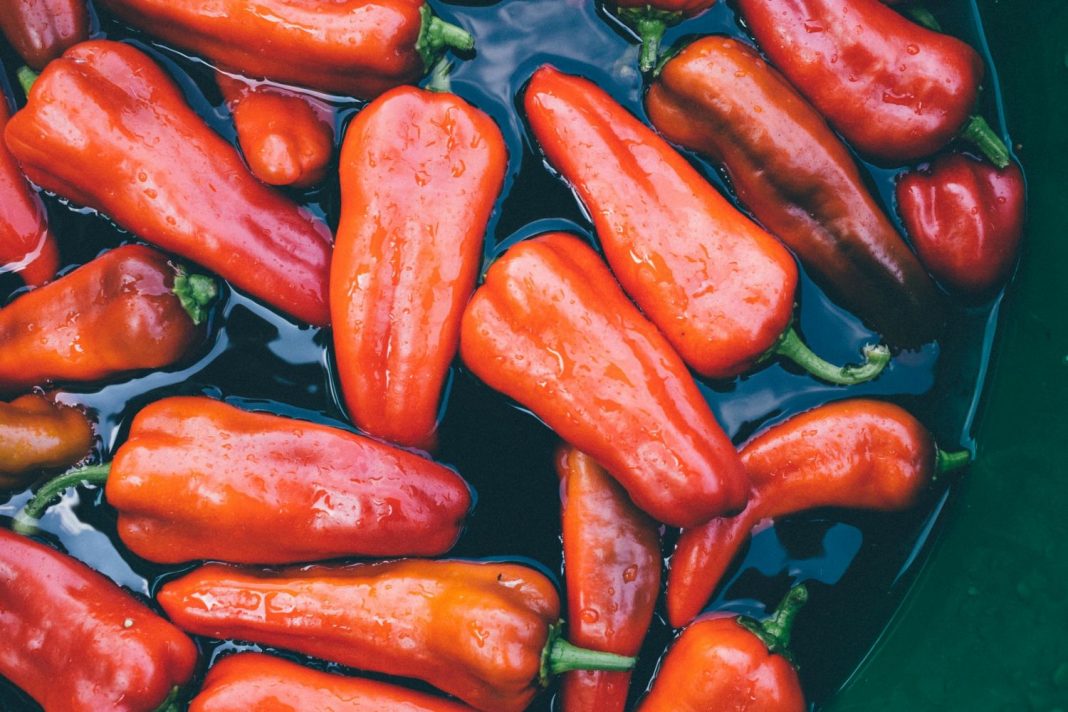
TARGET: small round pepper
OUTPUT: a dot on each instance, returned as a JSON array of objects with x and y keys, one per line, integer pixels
[{"x": 37, "y": 433}]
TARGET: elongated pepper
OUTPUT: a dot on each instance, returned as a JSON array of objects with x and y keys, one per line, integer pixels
[
  {"x": 484, "y": 632},
  {"x": 40, "y": 30},
  {"x": 861, "y": 454},
  {"x": 201, "y": 479},
  {"x": 37, "y": 433},
  {"x": 106, "y": 127},
  {"x": 429, "y": 167},
  {"x": 651, "y": 18},
  {"x": 720, "y": 288}
]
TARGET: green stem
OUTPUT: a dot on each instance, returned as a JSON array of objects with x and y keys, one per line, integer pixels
[
  {"x": 923, "y": 16},
  {"x": 26, "y": 78},
  {"x": 949, "y": 461},
  {"x": 439, "y": 80},
  {"x": 436, "y": 35},
  {"x": 171, "y": 703},
  {"x": 560, "y": 656},
  {"x": 775, "y": 631},
  {"x": 650, "y": 24},
  {"x": 196, "y": 292},
  {"x": 791, "y": 346},
  {"x": 977, "y": 131},
  {"x": 27, "y": 518}
]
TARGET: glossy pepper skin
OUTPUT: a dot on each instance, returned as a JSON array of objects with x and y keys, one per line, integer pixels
[
  {"x": 550, "y": 328},
  {"x": 798, "y": 180},
  {"x": 429, "y": 167},
  {"x": 121, "y": 312},
  {"x": 861, "y": 454},
  {"x": 105, "y": 127},
  {"x": 40, "y": 30},
  {"x": 252, "y": 682},
  {"x": 287, "y": 137},
  {"x": 359, "y": 48},
  {"x": 480, "y": 631},
  {"x": 76, "y": 642},
  {"x": 965, "y": 218},
  {"x": 38, "y": 433},
  {"x": 612, "y": 567}
]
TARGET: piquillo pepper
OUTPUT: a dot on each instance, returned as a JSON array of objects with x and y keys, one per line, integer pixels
[
  {"x": 355, "y": 47},
  {"x": 127, "y": 310},
  {"x": 732, "y": 664},
  {"x": 429, "y": 167},
  {"x": 37, "y": 433},
  {"x": 106, "y": 127},
  {"x": 965, "y": 218},
  {"x": 74, "y": 641},
  {"x": 40, "y": 30},
  {"x": 720, "y": 288},
  {"x": 650, "y": 19},
  {"x": 798, "y": 180},
  {"x": 201, "y": 479},
  {"x": 484, "y": 632},
  {"x": 612, "y": 566},
  {"x": 551, "y": 329},
  {"x": 861, "y": 454}
]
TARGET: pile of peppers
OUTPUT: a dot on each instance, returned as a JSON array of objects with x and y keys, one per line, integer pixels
[{"x": 330, "y": 539}]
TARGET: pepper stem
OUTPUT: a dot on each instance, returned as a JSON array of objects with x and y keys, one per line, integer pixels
[
  {"x": 439, "y": 80},
  {"x": 28, "y": 517},
  {"x": 791, "y": 346},
  {"x": 977, "y": 131},
  {"x": 949, "y": 461},
  {"x": 775, "y": 631},
  {"x": 560, "y": 656},
  {"x": 922, "y": 16},
  {"x": 196, "y": 292},
  {"x": 26, "y": 78},
  {"x": 436, "y": 35},
  {"x": 171, "y": 704},
  {"x": 650, "y": 24}
]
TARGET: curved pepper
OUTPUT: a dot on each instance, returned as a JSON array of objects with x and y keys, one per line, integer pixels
[
  {"x": 612, "y": 565},
  {"x": 200, "y": 479},
  {"x": 287, "y": 137},
  {"x": 965, "y": 218},
  {"x": 37, "y": 433},
  {"x": 720, "y": 288},
  {"x": 429, "y": 167},
  {"x": 651, "y": 18},
  {"x": 127, "y": 310},
  {"x": 731, "y": 664},
  {"x": 40, "y": 30},
  {"x": 798, "y": 180},
  {"x": 551, "y": 329},
  {"x": 484, "y": 632},
  {"x": 107, "y": 128},
  {"x": 74, "y": 641},
  {"x": 861, "y": 454},
  {"x": 355, "y": 47}
]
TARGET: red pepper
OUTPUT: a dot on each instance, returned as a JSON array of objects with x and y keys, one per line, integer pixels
[
  {"x": 720, "y": 288},
  {"x": 128, "y": 310},
  {"x": 40, "y": 30},
  {"x": 612, "y": 565},
  {"x": 107, "y": 128},
  {"x": 798, "y": 180},
  {"x": 484, "y": 632},
  {"x": 551, "y": 329},
  {"x": 355, "y": 47},
  {"x": 965, "y": 218},
  {"x": 287, "y": 137},
  {"x": 731, "y": 664},
  {"x": 896, "y": 91},
  {"x": 37, "y": 433},
  {"x": 200, "y": 479},
  {"x": 651, "y": 18},
  {"x": 74, "y": 641},
  {"x": 429, "y": 167},
  {"x": 861, "y": 454}
]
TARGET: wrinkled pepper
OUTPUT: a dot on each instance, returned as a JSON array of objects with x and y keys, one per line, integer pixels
[
  {"x": 106, "y": 127},
  {"x": 429, "y": 167},
  {"x": 76, "y": 642},
  {"x": 41, "y": 30},
  {"x": 965, "y": 218},
  {"x": 895, "y": 90},
  {"x": 356, "y": 47},
  {"x": 798, "y": 180},
  {"x": 287, "y": 137},
  {"x": 551, "y": 328},
  {"x": 651, "y": 18},
  {"x": 127, "y": 310},
  {"x": 37, "y": 433},
  {"x": 253, "y": 682},
  {"x": 861, "y": 454},
  {"x": 487, "y": 633},
  {"x": 201, "y": 479},
  {"x": 612, "y": 569},
  {"x": 720, "y": 288},
  {"x": 732, "y": 664}
]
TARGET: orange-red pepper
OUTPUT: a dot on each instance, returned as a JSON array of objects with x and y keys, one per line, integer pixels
[
  {"x": 861, "y": 454},
  {"x": 428, "y": 166},
  {"x": 201, "y": 479},
  {"x": 106, "y": 127},
  {"x": 37, "y": 433},
  {"x": 484, "y": 632},
  {"x": 720, "y": 288},
  {"x": 612, "y": 566},
  {"x": 74, "y": 641},
  {"x": 127, "y": 310},
  {"x": 551, "y": 329},
  {"x": 355, "y": 47},
  {"x": 40, "y": 30}
]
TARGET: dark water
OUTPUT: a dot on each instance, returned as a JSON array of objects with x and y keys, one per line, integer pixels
[{"x": 857, "y": 565}]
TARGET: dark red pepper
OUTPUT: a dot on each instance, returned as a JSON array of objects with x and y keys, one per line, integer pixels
[{"x": 40, "y": 30}]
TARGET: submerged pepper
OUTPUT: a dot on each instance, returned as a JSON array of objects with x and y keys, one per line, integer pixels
[
  {"x": 38, "y": 433},
  {"x": 40, "y": 30}
]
